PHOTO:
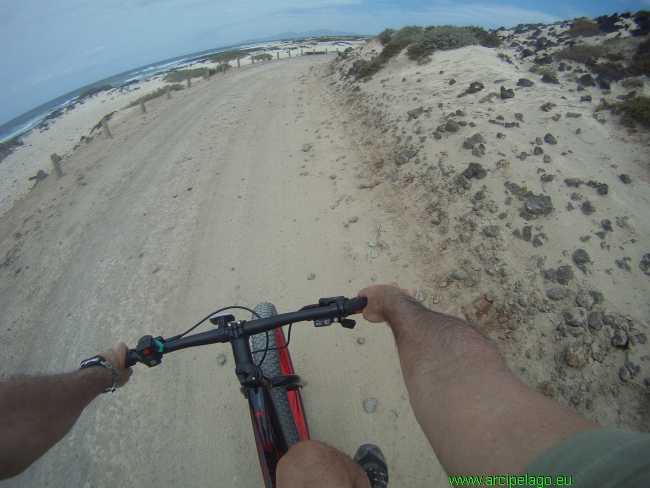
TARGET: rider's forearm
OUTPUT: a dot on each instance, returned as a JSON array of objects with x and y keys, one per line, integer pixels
[
  {"x": 35, "y": 413},
  {"x": 479, "y": 418}
]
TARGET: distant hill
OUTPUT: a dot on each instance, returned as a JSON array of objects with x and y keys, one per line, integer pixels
[{"x": 295, "y": 35}]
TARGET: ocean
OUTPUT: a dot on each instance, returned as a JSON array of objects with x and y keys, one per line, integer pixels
[{"x": 27, "y": 121}]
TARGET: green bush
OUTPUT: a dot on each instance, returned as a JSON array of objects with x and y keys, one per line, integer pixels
[
  {"x": 544, "y": 70},
  {"x": 182, "y": 74},
  {"x": 262, "y": 57},
  {"x": 633, "y": 83},
  {"x": 409, "y": 31},
  {"x": 640, "y": 64},
  {"x": 385, "y": 36},
  {"x": 226, "y": 56},
  {"x": 394, "y": 47},
  {"x": 447, "y": 37},
  {"x": 633, "y": 111},
  {"x": 487, "y": 38},
  {"x": 7, "y": 147},
  {"x": 584, "y": 27},
  {"x": 418, "y": 53},
  {"x": 581, "y": 52},
  {"x": 93, "y": 90},
  {"x": 369, "y": 69},
  {"x": 155, "y": 94}
]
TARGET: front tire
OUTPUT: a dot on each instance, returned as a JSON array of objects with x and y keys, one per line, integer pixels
[{"x": 288, "y": 403}]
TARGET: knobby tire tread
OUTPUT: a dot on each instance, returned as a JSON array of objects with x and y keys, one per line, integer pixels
[{"x": 271, "y": 367}]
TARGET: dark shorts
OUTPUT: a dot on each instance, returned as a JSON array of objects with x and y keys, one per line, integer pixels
[{"x": 598, "y": 458}]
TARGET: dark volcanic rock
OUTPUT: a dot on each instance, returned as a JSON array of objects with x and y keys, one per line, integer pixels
[
  {"x": 505, "y": 93},
  {"x": 557, "y": 293},
  {"x": 538, "y": 150},
  {"x": 470, "y": 142},
  {"x": 575, "y": 316},
  {"x": 415, "y": 113},
  {"x": 404, "y": 156},
  {"x": 525, "y": 82},
  {"x": 581, "y": 257},
  {"x": 564, "y": 274},
  {"x": 550, "y": 79},
  {"x": 452, "y": 126},
  {"x": 603, "y": 188},
  {"x": 586, "y": 80},
  {"x": 491, "y": 230},
  {"x": 585, "y": 98},
  {"x": 539, "y": 205},
  {"x": 587, "y": 208},
  {"x": 549, "y": 139},
  {"x": 644, "y": 265},
  {"x": 356, "y": 67},
  {"x": 477, "y": 86},
  {"x": 575, "y": 182},
  {"x": 452, "y": 82},
  {"x": 625, "y": 178},
  {"x": 474, "y": 169},
  {"x": 40, "y": 176}
]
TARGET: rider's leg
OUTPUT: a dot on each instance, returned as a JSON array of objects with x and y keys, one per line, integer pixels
[{"x": 312, "y": 464}]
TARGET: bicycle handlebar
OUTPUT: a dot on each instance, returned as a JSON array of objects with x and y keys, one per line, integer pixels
[{"x": 150, "y": 350}]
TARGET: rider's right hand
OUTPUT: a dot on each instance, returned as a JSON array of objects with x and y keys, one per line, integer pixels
[{"x": 380, "y": 298}]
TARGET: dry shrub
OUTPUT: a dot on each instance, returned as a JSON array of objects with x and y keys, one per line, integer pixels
[
  {"x": 584, "y": 27},
  {"x": 641, "y": 60},
  {"x": 487, "y": 38},
  {"x": 581, "y": 52},
  {"x": 385, "y": 36}
]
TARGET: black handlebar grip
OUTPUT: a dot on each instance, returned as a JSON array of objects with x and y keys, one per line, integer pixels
[
  {"x": 356, "y": 305},
  {"x": 131, "y": 358}
]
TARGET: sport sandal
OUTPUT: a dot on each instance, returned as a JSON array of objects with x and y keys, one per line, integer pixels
[{"x": 373, "y": 462}]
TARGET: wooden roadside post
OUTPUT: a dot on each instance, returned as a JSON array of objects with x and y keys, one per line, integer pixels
[
  {"x": 313, "y": 51},
  {"x": 144, "y": 110},
  {"x": 207, "y": 73},
  {"x": 56, "y": 162},
  {"x": 325, "y": 50},
  {"x": 238, "y": 65},
  {"x": 301, "y": 53},
  {"x": 169, "y": 94},
  {"x": 105, "y": 127},
  {"x": 289, "y": 51},
  {"x": 277, "y": 55},
  {"x": 189, "y": 81},
  {"x": 252, "y": 60}
]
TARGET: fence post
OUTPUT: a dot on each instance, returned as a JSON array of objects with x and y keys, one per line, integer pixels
[
  {"x": 325, "y": 50},
  {"x": 302, "y": 53},
  {"x": 313, "y": 51},
  {"x": 238, "y": 65},
  {"x": 252, "y": 61},
  {"x": 169, "y": 95},
  {"x": 144, "y": 110},
  {"x": 207, "y": 73},
  {"x": 277, "y": 55},
  {"x": 289, "y": 53},
  {"x": 189, "y": 81},
  {"x": 56, "y": 162},
  {"x": 105, "y": 127}
]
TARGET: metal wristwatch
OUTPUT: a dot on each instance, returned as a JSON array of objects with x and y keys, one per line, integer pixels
[{"x": 101, "y": 361}]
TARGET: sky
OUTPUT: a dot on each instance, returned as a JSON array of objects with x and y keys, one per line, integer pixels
[{"x": 51, "y": 47}]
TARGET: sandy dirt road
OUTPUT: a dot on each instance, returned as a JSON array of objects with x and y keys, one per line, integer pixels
[{"x": 198, "y": 204}]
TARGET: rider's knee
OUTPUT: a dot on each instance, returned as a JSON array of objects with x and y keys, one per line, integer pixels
[{"x": 304, "y": 454}]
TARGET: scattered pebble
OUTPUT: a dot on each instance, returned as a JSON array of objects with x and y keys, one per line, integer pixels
[
  {"x": 460, "y": 275},
  {"x": 549, "y": 139},
  {"x": 361, "y": 340},
  {"x": 581, "y": 257},
  {"x": 625, "y": 178},
  {"x": 311, "y": 276},
  {"x": 369, "y": 404},
  {"x": 221, "y": 359},
  {"x": 491, "y": 230}
]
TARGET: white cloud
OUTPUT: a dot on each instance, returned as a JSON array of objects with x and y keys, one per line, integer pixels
[{"x": 94, "y": 52}]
